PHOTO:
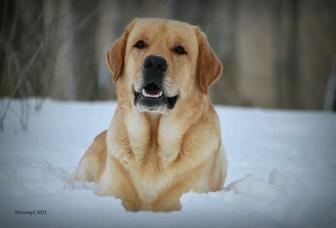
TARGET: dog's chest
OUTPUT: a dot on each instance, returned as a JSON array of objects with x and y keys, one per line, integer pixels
[{"x": 149, "y": 187}]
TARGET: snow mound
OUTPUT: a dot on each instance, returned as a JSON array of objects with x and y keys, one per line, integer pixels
[{"x": 251, "y": 185}]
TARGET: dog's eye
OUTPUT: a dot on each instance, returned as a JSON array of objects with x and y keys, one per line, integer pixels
[
  {"x": 179, "y": 50},
  {"x": 140, "y": 44}
]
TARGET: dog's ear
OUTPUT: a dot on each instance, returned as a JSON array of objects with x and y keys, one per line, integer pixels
[
  {"x": 209, "y": 67},
  {"x": 115, "y": 57}
]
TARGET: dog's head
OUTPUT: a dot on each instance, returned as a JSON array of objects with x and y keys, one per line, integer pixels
[{"x": 161, "y": 63}]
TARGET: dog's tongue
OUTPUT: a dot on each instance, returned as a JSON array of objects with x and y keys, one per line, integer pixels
[{"x": 152, "y": 89}]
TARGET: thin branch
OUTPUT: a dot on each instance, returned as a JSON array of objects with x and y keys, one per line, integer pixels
[{"x": 21, "y": 77}]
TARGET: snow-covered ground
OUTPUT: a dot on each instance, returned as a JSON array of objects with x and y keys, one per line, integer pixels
[{"x": 281, "y": 171}]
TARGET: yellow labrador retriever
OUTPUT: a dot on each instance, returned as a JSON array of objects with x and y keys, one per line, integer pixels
[{"x": 164, "y": 138}]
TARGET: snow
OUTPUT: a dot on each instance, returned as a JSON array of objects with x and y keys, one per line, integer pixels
[{"x": 281, "y": 171}]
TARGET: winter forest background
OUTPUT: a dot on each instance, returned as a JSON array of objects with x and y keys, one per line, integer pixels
[{"x": 276, "y": 53}]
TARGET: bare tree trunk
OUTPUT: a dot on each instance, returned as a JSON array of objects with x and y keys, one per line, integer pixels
[
  {"x": 58, "y": 76},
  {"x": 317, "y": 39},
  {"x": 221, "y": 28},
  {"x": 330, "y": 97},
  {"x": 287, "y": 75},
  {"x": 84, "y": 22},
  {"x": 7, "y": 21}
]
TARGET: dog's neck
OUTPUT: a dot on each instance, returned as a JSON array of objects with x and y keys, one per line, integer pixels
[{"x": 155, "y": 134}]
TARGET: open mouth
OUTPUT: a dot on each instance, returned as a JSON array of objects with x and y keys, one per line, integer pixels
[
  {"x": 151, "y": 91},
  {"x": 152, "y": 96}
]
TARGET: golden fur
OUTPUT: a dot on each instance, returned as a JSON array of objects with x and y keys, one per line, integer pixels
[{"x": 147, "y": 159}]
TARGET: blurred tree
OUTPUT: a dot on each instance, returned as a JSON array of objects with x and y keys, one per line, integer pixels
[
  {"x": 58, "y": 51},
  {"x": 330, "y": 98},
  {"x": 286, "y": 35},
  {"x": 84, "y": 24}
]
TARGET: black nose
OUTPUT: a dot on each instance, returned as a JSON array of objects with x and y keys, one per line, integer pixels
[{"x": 154, "y": 62}]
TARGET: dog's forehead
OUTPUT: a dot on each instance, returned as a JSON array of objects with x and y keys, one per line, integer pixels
[{"x": 162, "y": 27}]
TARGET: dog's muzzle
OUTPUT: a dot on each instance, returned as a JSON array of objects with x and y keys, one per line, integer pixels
[{"x": 151, "y": 95}]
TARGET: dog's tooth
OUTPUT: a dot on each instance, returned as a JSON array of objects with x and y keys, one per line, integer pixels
[{"x": 145, "y": 94}]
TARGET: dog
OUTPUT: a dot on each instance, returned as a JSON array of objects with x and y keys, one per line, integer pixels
[{"x": 164, "y": 138}]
